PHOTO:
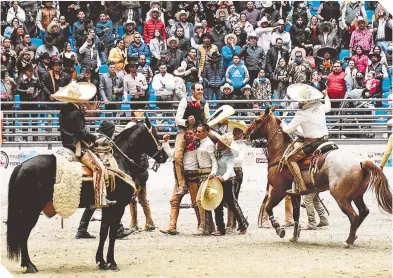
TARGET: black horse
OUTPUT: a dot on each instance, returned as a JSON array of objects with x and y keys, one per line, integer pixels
[{"x": 32, "y": 183}]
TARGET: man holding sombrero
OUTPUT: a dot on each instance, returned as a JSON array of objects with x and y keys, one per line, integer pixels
[
  {"x": 311, "y": 118},
  {"x": 74, "y": 133}
]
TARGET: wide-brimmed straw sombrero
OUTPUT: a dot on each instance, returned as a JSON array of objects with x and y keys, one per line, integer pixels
[
  {"x": 226, "y": 139},
  {"x": 333, "y": 52},
  {"x": 222, "y": 113},
  {"x": 237, "y": 124},
  {"x": 211, "y": 194},
  {"x": 304, "y": 93},
  {"x": 76, "y": 92}
]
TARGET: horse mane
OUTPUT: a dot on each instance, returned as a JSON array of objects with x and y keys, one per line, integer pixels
[
  {"x": 287, "y": 138},
  {"x": 125, "y": 133}
]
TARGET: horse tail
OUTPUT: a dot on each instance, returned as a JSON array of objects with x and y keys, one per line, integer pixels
[
  {"x": 377, "y": 181},
  {"x": 14, "y": 217}
]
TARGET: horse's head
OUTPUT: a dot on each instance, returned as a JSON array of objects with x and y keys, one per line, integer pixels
[
  {"x": 155, "y": 149},
  {"x": 260, "y": 127}
]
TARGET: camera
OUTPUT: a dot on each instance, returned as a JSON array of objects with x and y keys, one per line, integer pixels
[{"x": 259, "y": 143}]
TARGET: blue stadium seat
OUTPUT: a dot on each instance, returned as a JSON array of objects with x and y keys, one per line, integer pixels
[
  {"x": 17, "y": 99},
  {"x": 370, "y": 14},
  {"x": 152, "y": 97},
  {"x": 125, "y": 106},
  {"x": 38, "y": 42},
  {"x": 386, "y": 85},
  {"x": 78, "y": 70},
  {"x": 103, "y": 69},
  {"x": 120, "y": 31},
  {"x": 140, "y": 30},
  {"x": 344, "y": 53}
]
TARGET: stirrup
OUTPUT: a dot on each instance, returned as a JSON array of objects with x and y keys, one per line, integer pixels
[{"x": 293, "y": 192}]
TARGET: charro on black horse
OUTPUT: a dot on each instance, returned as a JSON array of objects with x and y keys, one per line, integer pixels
[{"x": 32, "y": 184}]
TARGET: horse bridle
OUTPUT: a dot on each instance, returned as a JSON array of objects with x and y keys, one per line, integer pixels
[{"x": 259, "y": 125}]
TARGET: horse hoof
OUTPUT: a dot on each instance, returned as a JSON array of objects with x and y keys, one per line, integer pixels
[
  {"x": 103, "y": 266},
  {"x": 281, "y": 232},
  {"x": 348, "y": 245},
  {"x": 294, "y": 239},
  {"x": 31, "y": 269},
  {"x": 114, "y": 267}
]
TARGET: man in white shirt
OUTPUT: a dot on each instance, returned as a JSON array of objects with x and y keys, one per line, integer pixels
[
  {"x": 135, "y": 84},
  {"x": 163, "y": 84},
  {"x": 191, "y": 112},
  {"x": 207, "y": 168},
  {"x": 191, "y": 178},
  {"x": 312, "y": 119}
]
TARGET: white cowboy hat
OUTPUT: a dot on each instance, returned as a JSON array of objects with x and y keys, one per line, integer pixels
[
  {"x": 211, "y": 193},
  {"x": 154, "y": 2},
  {"x": 226, "y": 139},
  {"x": 390, "y": 122},
  {"x": 279, "y": 22},
  {"x": 246, "y": 87},
  {"x": 76, "y": 92},
  {"x": 172, "y": 39},
  {"x": 252, "y": 35},
  {"x": 155, "y": 10},
  {"x": 178, "y": 14},
  {"x": 129, "y": 21},
  {"x": 226, "y": 85},
  {"x": 360, "y": 18},
  {"x": 220, "y": 11},
  {"x": 237, "y": 124},
  {"x": 304, "y": 93},
  {"x": 267, "y": 4},
  {"x": 264, "y": 19},
  {"x": 230, "y": 36},
  {"x": 50, "y": 27},
  {"x": 221, "y": 114},
  {"x": 180, "y": 71},
  {"x": 197, "y": 25}
]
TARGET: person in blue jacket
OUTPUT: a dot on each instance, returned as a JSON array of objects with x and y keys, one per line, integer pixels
[
  {"x": 137, "y": 47},
  {"x": 237, "y": 75},
  {"x": 229, "y": 50},
  {"x": 105, "y": 31}
]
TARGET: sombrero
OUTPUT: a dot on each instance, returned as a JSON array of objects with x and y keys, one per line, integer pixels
[
  {"x": 230, "y": 36},
  {"x": 222, "y": 11},
  {"x": 128, "y": 22},
  {"x": 180, "y": 71},
  {"x": 197, "y": 25},
  {"x": 252, "y": 35},
  {"x": 226, "y": 139},
  {"x": 211, "y": 194},
  {"x": 333, "y": 52},
  {"x": 155, "y": 10},
  {"x": 226, "y": 85},
  {"x": 237, "y": 124},
  {"x": 328, "y": 24},
  {"x": 76, "y": 92},
  {"x": 222, "y": 113},
  {"x": 264, "y": 19},
  {"x": 358, "y": 19},
  {"x": 246, "y": 87},
  {"x": 178, "y": 14},
  {"x": 172, "y": 39},
  {"x": 304, "y": 93},
  {"x": 390, "y": 122}
]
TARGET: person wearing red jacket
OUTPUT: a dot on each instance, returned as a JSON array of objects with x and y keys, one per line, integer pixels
[
  {"x": 371, "y": 83},
  {"x": 152, "y": 24},
  {"x": 337, "y": 85}
]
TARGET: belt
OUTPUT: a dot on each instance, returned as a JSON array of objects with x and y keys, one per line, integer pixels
[
  {"x": 204, "y": 171},
  {"x": 323, "y": 138}
]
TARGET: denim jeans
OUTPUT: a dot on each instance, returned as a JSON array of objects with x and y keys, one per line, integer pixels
[
  {"x": 210, "y": 92},
  {"x": 188, "y": 88},
  {"x": 104, "y": 55}
]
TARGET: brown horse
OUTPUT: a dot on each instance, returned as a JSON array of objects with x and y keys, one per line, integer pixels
[{"x": 345, "y": 174}]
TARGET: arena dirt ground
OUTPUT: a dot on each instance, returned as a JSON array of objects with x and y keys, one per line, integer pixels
[{"x": 259, "y": 253}]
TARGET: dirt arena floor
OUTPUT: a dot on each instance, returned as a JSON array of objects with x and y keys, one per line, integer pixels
[{"x": 259, "y": 253}]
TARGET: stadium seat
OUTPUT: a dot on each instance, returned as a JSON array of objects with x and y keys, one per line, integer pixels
[
  {"x": 103, "y": 69},
  {"x": 140, "y": 30},
  {"x": 370, "y": 14},
  {"x": 17, "y": 99},
  {"x": 78, "y": 70},
  {"x": 344, "y": 53},
  {"x": 386, "y": 84},
  {"x": 152, "y": 97},
  {"x": 120, "y": 31},
  {"x": 38, "y": 42},
  {"x": 125, "y": 106}
]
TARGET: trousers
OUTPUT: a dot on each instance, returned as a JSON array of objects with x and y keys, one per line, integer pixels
[{"x": 312, "y": 203}]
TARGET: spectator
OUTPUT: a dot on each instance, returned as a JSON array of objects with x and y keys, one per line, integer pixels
[
  {"x": 358, "y": 82},
  {"x": 388, "y": 54},
  {"x": 171, "y": 29},
  {"x": 213, "y": 76},
  {"x": 24, "y": 58},
  {"x": 328, "y": 10},
  {"x": 58, "y": 38},
  {"x": 283, "y": 35},
  {"x": 350, "y": 73},
  {"x": 327, "y": 38},
  {"x": 11, "y": 29},
  {"x": 218, "y": 34},
  {"x": 350, "y": 11},
  {"x": 175, "y": 55},
  {"x": 325, "y": 58},
  {"x": 157, "y": 44},
  {"x": 105, "y": 31},
  {"x": 114, "y": 12},
  {"x": 129, "y": 32},
  {"x": 7, "y": 87},
  {"x": 226, "y": 93},
  {"x": 196, "y": 39},
  {"x": 137, "y": 47},
  {"x": 269, "y": 11},
  {"x": 245, "y": 25},
  {"x": 298, "y": 33},
  {"x": 360, "y": 59},
  {"x": 362, "y": 36},
  {"x": 118, "y": 55},
  {"x": 222, "y": 18},
  {"x": 300, "y": 70},
  {"x": 89, "y": 57},
  {"x": 188, "y": 28},
  {"x": 184, "y": 43},
  {"x": 16, "y": 12},
  {"x": 48, "y": 47},
  {"x": 264, "y": 34},
  {"x": 313, "y": 31},
  {"x": 246, "y": 95},
  {"x": 205, "y": 49},
  {"x": 191, "y": 69},
  {"x": 163, "y": 84},
  {"x": 64, "y": 27},
  {"x": 53, "y": 81},
  {"x": 262, "y": 88},
  {"x": 152, "y": 24},
  {"x": 382, "y": 30},
  {"x": 79, "y": 30},
  {"x": 315, "y": 79},
  {"x": 45, "y": 15},
  {"x": 17, "y": 36},
  {"x": 280, "y": 79},
  {"x": 8, "y": 56},
  {"x": 211, "y": 8},
  {"x": 252, "y": 15},
  {"x": 28, "y": 86},
  {"x": 144, "y": 69},
  {"x": 26, "y": 43},
  {"x": 337, "y": 85},
  {"x": 180, "y": 87},
  {"x": 131, "y": 11},
  {"x": 229, "y": 50},
  {"x": 299, "y": 11},
  {"x": 43, "y": 65},
  {"x": 196, "y": 15},
  {"x": 135, "y": 84},
  {"x": 371, "y": 83},
  {"x": 86, "y": 76},
  {"x": 241, "y": 36},
  {"x": 377, "y": 50},
  {"x": 237, "y": 75},
  {"x": 155, "y": 6},
  {"x": 378, "y": 69},
  {"x": 233, "y": 16},
  {"x": 111, "y": 88},
  {"x": 274, "y": 54},
  {"x": 206, "y": 29},
  {"x": 254, "y": 57},
  {"x": 337, "y": 31}
]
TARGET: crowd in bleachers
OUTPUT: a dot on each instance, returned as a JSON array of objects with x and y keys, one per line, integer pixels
[{"x": 152, "y": 50}]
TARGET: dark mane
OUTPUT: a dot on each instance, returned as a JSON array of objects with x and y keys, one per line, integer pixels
[{"x": 125, "y": 134}]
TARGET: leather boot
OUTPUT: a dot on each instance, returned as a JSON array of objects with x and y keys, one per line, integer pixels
[
  {"x": 210, "y": 226},
  {"x": 173, "y": 218},
  {"x": 149, "y": 221},
  {"x": 297, "y": 175},
  {"x": 134, "y": 218},
  {"x": 197, "y": 215},
  {"x": 229, "y": 228},
  {"x": 201, "y": 228}
]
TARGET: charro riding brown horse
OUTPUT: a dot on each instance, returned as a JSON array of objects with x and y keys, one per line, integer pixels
[{"x": 345, "y": 174}]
